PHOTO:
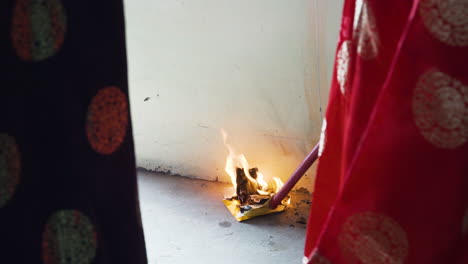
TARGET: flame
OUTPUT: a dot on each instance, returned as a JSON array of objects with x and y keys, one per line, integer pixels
[
  {"x": 278, "y": 184},
  {"x": 230, "y": 168},
  {"x": 263, "y": 190},
  {"x": 234, "y": 161}
]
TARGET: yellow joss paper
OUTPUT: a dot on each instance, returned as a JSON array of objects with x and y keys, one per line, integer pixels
[{"x": 233, "y": 205}]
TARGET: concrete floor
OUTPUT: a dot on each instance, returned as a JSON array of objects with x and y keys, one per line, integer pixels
[{"x": 185, "y": 221}]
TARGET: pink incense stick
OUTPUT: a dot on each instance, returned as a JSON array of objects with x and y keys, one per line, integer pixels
[{"x": 295, "y": 177}]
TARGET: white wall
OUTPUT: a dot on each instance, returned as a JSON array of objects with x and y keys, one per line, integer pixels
[{"x": 250, "y": 67}]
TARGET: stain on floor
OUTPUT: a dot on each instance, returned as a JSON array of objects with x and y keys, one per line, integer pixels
[{"x": 225, "y": 224}]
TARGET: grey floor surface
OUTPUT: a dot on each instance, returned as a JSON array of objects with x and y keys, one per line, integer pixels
[{"x": 185, "y": 221}]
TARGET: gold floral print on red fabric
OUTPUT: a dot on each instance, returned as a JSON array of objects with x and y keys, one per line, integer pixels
[
  {"x": 440, "y": 109},
  {"x": 446, "y": 20},
  {"x": 372, "y": 238}
]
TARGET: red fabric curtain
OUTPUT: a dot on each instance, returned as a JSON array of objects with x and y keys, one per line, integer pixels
[{"x": 392, "y": 180}]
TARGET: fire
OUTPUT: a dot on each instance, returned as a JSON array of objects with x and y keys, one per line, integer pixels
[
  {"x": 234, "y": 161},
  {"x": 278, "y": 184},
  {"x": 252, "y": 194}
]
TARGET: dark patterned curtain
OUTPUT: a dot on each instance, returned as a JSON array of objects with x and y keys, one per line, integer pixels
[{"x": 68, "y": 191}]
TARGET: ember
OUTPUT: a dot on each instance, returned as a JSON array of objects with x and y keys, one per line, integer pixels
[{"x": 252, "y": 192}]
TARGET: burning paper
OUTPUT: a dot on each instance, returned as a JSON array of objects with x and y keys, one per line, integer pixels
[{"x": 252, "y": 193}]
